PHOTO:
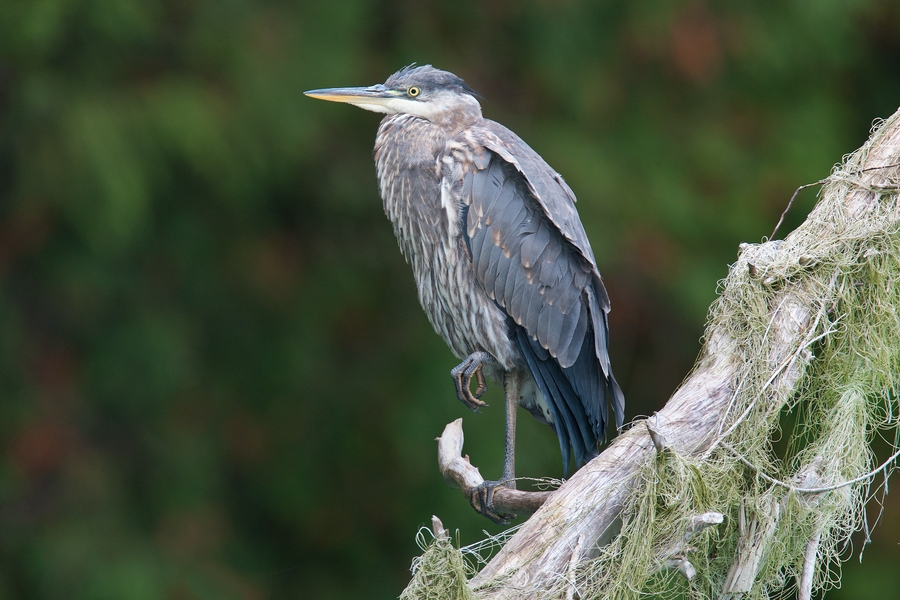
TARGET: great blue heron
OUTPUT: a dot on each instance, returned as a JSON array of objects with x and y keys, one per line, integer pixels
[{"x": 503, "y": 266}]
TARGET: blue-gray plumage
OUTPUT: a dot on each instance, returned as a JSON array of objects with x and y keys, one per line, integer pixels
[{"x": 502, "y": 264}]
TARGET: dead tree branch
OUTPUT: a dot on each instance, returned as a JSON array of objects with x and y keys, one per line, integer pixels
[
  {"x": 583, "y": 515},
  {"x": 458, "y": 472}
]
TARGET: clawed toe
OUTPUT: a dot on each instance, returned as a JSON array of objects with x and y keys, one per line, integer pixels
[
  {"x": 482, "y": 385},
  {"x": 463, "y": 374},
  {"x": 482, "y": 500},
  {"x": 465, "y": 395}
]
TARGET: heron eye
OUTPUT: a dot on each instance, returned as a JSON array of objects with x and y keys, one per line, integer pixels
[{"x": 413, "y": 91}]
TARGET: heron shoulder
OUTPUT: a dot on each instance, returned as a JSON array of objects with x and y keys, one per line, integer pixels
[{"x": 545, "y": 184}]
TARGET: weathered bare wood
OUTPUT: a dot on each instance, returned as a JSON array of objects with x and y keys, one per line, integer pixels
[
  {"x": 756, "y": 531},
  {"x": 675, "y": 556},
  {"x": 809, "y": 567},
  {"x": 458, "y": 472},
  {"x": 437, "y": 528},
  {"x": 588, "y": 505}
]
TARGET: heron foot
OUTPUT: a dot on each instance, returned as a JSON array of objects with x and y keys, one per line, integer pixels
[
  {"x": 482, "y": 500},
  {"x": 464, "y": 372}
]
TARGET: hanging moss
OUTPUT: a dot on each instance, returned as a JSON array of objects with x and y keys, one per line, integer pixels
[{"x": 440, "y": 573}]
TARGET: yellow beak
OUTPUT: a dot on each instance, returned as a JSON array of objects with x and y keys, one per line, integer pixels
[{"x": 374, "y": 94}]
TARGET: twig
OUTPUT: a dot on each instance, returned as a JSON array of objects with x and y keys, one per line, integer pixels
[
  {"x": 823, "y": 182},
  {"x": 809, "y": 567},
  {"x": 878, "y": 168},
  {"x": 791, "y": 201}
]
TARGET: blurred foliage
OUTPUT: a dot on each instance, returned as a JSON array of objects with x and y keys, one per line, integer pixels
[{"x": 215, "y": 379}]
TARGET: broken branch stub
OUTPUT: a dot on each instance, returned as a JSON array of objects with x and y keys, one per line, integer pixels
[{"x": 458, "y": 472}]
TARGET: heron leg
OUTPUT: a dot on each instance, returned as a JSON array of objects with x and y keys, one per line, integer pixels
[
  {"x": 464, "y": 372},
  {"x": 482, "y": 497},
  {"x": 512, "y": 384}
]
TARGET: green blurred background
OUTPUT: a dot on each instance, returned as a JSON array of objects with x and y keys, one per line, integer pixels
[{"x": 215, "y": 378}]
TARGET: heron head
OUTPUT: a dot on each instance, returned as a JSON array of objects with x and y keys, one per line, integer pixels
[{"x": 423, "y": 92}]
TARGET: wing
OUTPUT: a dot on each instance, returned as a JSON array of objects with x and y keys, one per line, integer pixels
[
  {"x": 530, "y": 253},
  {"x": 546, "y": 186}
]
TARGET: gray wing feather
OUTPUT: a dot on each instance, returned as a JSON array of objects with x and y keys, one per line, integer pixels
[
  {"x": 513, "y": 276},
  {"x": 489, "y": 189},
  {"x": 521, "y": 294},
  {"x": 481, "y": 251},
  {"x": 582, "y": 329},
  {"x": 495, "y": 270},
  {"x": 547, "y": 268},
  {"x": 534, "y": 244},
  {"x": 543, "y": 329},
  {"x": 533, "y": 304},
  {"x": 601, "y": 342}
]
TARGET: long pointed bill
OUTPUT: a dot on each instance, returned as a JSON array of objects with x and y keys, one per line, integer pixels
[{"x": 374, "y": 97}]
